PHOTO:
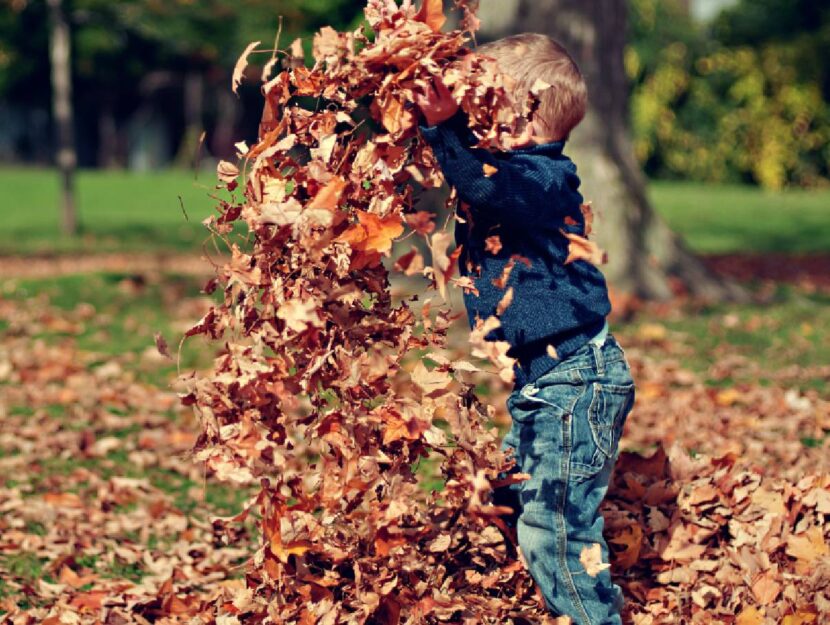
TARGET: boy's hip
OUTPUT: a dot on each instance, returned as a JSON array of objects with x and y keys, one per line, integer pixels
[
  {"x": 598, "y": 361},
  {"x": 567, "y": 423}
]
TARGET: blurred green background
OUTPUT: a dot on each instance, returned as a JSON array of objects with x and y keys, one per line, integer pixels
[{"x": 729, "y": 114}]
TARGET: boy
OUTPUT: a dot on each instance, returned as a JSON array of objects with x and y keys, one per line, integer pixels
[{"x": 573, "y": 386}]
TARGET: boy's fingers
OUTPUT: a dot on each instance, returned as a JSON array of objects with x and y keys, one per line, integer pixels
[{"x": 442, "y": 89}]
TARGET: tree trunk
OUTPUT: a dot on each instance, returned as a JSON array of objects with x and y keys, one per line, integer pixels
[
  {"x": 108, "y": 153},
  {"x": 228, "y": 111},
  {"x": 645, "y": 258},
  {"x": 61, "y": 57},
  {"x": 194, "y": 95}
]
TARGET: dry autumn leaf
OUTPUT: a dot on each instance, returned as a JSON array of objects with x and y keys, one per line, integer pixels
[
  {"x": 241, "y": 65},
  {"x": 432, "y": 14},
  {"x": 580, "y": 248},
  {"x": 161, "y": 345},
  {"x": 493, "y": 244},
  {"x": 373, "y": 233},
  {"x": 591, "y": 559}
]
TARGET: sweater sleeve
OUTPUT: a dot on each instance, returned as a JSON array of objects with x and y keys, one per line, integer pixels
[{"x": 517, "y": 188}]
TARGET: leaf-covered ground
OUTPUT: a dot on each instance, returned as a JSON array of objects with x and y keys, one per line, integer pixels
[{"x": 104, "y": 518}]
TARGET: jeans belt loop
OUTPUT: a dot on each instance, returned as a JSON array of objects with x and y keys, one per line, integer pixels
[{"x": 598, "y": 358}]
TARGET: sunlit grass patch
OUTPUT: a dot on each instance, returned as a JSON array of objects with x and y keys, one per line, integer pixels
[
  {"x": 785, "y": 333},
  {"x": 115, "y": 314}
]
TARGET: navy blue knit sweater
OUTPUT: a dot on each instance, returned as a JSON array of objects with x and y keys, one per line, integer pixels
[{"x": 525, "y": 203}]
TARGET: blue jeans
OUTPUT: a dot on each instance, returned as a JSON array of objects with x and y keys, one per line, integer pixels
[{"x": 565, "y": 433}]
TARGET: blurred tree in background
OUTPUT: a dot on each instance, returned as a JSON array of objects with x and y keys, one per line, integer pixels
[
  {"x": 744, "y": 99},
  {"x": 137, "y": 61}
]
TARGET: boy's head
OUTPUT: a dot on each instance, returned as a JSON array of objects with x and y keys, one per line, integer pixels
[{"x": 529, "y": 57}]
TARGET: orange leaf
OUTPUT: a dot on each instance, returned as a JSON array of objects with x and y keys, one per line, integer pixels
[
  {"x": 71, "y": 578},
  {"x": 806, "y": 548},
  {"x": 631, "y": 541},
  {"x": 489, "y": 170},
  {"x": 397, "y": 426},
  {"x": 297, "y": 548},
  {"x": 799, "y": 618},
  {"x": 381, "y": 232},
  {"x": 581, "y": 248},
  {"x": 385, "y": 541},
  {"x": 432, "y": 14},
  {"x": 395, "y": 117},
  {"x": 765, "y": 588},
  {"x": 329, "y": 196},
  {"x": 750, "y": 616},
  {"x": 89, "y": 600},
  {"x": 63, "y": 500},
  {"x": 373, "y": 233}
]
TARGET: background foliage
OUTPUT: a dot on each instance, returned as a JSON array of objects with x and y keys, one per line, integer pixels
[{"x": 743, "y": 99}]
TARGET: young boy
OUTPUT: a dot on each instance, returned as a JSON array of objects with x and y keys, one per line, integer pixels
[{"x": 573, "y": 386}]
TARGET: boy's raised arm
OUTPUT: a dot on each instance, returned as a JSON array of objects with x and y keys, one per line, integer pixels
[
  {"x": 484, "y": 181},
  {"x": 515, "y": 190}
]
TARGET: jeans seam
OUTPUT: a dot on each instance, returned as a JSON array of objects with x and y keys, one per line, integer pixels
[{"x": 560, "y": 520}]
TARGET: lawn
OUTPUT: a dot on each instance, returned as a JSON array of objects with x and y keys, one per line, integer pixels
[
  {"x": 94, "y": 444},
  {"x": 718, "y": 219},
  {"x": 122, "y": 211},
  {"x": 101, "y": 492},
  {"x": 119, "y": 211}
]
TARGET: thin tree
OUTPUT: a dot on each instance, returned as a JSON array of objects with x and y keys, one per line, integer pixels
[
  {"x": 60, "y": 54},
  {"x": 645, "y": 257}
]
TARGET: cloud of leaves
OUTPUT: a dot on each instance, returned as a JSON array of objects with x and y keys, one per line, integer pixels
[{"x": 328, "y": 393}]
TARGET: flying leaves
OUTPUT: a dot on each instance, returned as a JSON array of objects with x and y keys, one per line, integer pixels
[
  {"x": 580, "y": 248},
  {"x": 432, "y": 14},
  {"x": 373, "y": 233},
  {"x": 319, "y": 360},
  {"x": 241, "y": 66}
]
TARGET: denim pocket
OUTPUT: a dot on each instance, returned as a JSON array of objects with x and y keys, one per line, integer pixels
[
  {"x": 538, "y": 413},
  {"x": 596, "y": 437}
]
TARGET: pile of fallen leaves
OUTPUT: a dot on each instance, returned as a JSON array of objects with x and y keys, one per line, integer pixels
[
  {"x": 711, "y": 541},
  {"x": 96, "y": 486},
  {"x": 103, "y": 519}
]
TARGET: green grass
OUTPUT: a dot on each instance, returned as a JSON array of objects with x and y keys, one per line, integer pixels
[
  {"x": 24, "y": 565},
  {"x": 133, "y": 315},
  {"x": 127, "y": 212},
  {"x": 793, "y": 329},
  {"x": 118, "y": 211},
  {"x": 718, "y": 219}
]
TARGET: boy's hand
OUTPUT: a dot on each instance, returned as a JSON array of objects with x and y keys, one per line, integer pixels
[{"x": 436, "y": 103}]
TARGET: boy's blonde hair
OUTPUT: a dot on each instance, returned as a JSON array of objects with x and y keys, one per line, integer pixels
[{"x": 529, "y": 57}]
